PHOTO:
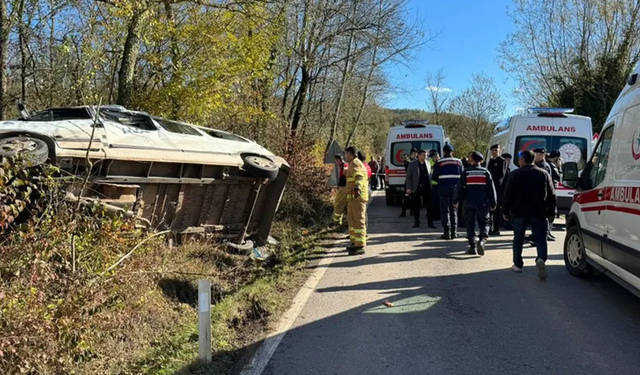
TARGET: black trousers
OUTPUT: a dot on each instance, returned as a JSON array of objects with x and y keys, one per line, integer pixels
[
  {"x": 421, "y": 197},
  {"x": 435, "y": 203},
  {"x": 449, "y": 214},
  {"x": 479, "y": 213}
]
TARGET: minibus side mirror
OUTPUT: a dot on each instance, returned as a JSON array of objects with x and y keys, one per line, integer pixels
[{"x": 570, "y": 175}]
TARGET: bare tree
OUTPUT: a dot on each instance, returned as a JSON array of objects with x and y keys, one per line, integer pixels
[
  {"x": 439, "y": 94},
  {"x": 572, "y": 53},
  {"x": 482, "y": 106}
]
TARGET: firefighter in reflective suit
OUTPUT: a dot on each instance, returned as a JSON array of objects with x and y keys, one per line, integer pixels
[
  {"x": 476, "y": 188},
  {"x": 357, "y": 197}
]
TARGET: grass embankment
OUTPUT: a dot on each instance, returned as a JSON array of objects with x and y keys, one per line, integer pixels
[
  {"x": 61, "y": 313},
  {"x": 142, "y": 318}
]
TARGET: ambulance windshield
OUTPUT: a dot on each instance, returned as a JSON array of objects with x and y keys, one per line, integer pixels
[
  {"x": 571, "y": 148},
  {"x": 400, "y": 150}
]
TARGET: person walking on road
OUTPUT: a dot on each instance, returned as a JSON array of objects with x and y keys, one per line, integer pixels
[
  {"x": 553, "y": 160},
  {"x": 529, "y": 199},
  {"x": 340, "y": 202},
  {"x": 507, "y": 157},
  {"x": 447, "y": 172},
  {"x": 435, "y": 197},
  {"x": 541, "y": 162},
  {"x": 477, "y": 189},
  {"x": 419, "y": 187},
  {"x": 406, "y": 202},
  {"x": 357, "y": 197},
  {"x": 498, "y": 169},
  {"x": 461, "y": 218},
  {"x": 373, "y": 165}
]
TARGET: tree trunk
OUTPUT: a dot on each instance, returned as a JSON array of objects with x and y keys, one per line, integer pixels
[
  {"x": 126, "y": 75},
  {"x": 4, "y": 39},
  {"x": 176, "y": 67},
  {"x": 300, "y": 100},
  {"x": 23, "y": 52},
  {"x": 365, "y": 90},
  {"x": 52, "y": 55},
  {"x": 343, "y": 84}
]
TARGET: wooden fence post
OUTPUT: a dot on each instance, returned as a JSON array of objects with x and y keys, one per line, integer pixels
[{"x": 204, "y": 321}]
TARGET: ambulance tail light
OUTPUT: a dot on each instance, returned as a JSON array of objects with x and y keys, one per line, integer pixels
[{"x": 386, "y": 175}]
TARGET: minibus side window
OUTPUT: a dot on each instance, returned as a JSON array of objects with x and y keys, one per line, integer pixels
[{"x": 600, "y": 159}]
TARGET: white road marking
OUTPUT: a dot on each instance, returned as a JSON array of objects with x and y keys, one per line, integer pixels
[
  {"x": 270, "y": 344},
  {"x": 264, "y": 353}
]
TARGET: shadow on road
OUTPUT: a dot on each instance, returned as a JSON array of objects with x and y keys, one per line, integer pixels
[
  {"x": 485, "y": 322},
  {"x": 472, "y": 323}
]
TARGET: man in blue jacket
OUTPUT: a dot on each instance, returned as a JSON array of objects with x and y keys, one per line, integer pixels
[
  {"x": 446, "y": 173},
  {"x": 477, "y": 190}
]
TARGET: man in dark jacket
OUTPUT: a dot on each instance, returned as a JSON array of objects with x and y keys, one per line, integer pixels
[
  {"x": 540, "y": 160},
  {"x": 434, "y": 156},
  {"x": 447, "y": 172},
  {"x": 419, "y": 187},
  {"x": 529, "y": 198},
  {"x": 498, "y": 169},
  {"x": 478, "y": 190},
  {"x": 406, "y": 201},
  {"x": 552, "y": 160},
  {"x": 507, "y": 157},
  {"x": 462, "y": 220}
]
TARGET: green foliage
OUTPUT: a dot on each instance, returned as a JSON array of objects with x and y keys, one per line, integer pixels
[{"x": 572, "y": 53}]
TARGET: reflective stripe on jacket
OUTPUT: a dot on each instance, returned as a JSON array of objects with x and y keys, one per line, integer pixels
[
  {"x": 476, "y": 185},
  {"x": 446, "y": 173},
  {"x": 357, "y": 179}
]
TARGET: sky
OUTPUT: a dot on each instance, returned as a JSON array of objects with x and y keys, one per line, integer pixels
[{"x": 468, "y": 35}]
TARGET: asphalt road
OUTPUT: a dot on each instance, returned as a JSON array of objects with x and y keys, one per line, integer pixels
[{"x": 457, "y": 314}]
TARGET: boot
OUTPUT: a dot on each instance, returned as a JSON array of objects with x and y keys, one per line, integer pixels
[
  {"x": 446, "y": 235},
  {"x": 472, "y": 249},
  {"x": 340, "y": 228},
  {"x": 481, "y": 246},
  {"x": 356, "y": 250},
  {"x": 454, "y": 234},
  {"x": 431, "y": 225}
]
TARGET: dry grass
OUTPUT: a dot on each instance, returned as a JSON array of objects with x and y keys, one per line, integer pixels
[{"x": 140, "y": 318}]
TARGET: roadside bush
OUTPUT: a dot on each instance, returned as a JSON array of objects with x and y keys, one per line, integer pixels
[
  {"x": 47, "y": 308},
  {"x": 307, "y": 198}
]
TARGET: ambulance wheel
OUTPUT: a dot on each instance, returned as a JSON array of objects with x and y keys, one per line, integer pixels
[
  {"x": 389, "y": 198},
  {"x": 575, "y": 257}
]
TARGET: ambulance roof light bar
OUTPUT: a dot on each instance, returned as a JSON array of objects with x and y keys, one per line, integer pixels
[
  {"x": 415, "y": 123},
  {"x": 551, "y": 110}
]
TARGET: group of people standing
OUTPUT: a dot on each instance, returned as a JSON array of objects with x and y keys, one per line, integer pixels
[{"x": 490, "y": 197}]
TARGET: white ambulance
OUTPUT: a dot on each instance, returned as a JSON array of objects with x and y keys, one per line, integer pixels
[
  {"x": 553, "y": 129},
  {"x": 603, "y": 227},
  {"x": 418, "y": 134}
]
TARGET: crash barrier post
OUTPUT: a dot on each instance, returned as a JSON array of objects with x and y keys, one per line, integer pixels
[{"x": 204, "y": 321}]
